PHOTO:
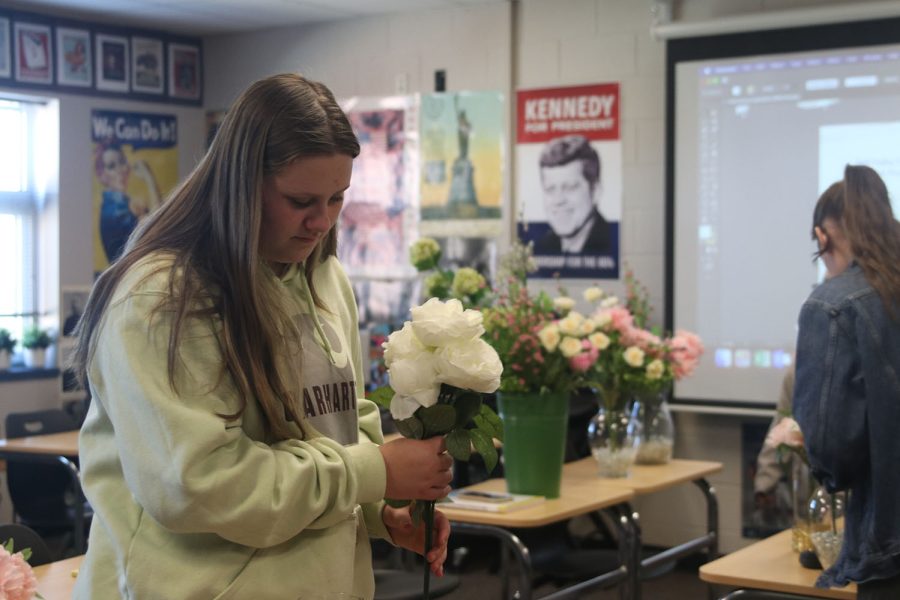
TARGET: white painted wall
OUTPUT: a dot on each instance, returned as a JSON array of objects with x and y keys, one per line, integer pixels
[
  {"x": 555, "y": 43},
  {"x": 548, "y": 43}
]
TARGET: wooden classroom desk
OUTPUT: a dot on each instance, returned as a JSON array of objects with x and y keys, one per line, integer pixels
[
  {"x": 51, "y": 448},
  {"x": 56, "y": 580},
  {"x": 647, "y": 479},
  {"x": 770, "y": 565},
  {"x": 577, "y": 497},
  {"x": 56, "y": 444}
]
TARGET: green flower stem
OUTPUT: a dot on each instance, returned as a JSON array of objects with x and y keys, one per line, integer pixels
[{"x": 428, "y": 518}]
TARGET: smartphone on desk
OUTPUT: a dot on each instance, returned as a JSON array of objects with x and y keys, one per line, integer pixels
[{"x": 498, "y": 497}]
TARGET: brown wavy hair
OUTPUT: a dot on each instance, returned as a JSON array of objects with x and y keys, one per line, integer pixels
[
  {"x": 860, "y": 204},
  {"x": 210, "y": 224}
]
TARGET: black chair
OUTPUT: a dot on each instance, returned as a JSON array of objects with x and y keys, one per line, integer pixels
[
  {"x": 45, "y": 491},
  {"x": 24, "y": 537}
]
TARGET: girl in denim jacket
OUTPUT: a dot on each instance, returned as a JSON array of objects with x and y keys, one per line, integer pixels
[{"x": 847, "y": 393}]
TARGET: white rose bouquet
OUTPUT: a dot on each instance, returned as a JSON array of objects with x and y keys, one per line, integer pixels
[{"x": 439, "y": 369}]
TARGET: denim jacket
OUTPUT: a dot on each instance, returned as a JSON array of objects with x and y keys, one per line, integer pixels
[{"x": 847, "y": 403}]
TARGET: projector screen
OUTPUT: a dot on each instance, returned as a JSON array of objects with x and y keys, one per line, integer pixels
[{"x": 759, "y": 125}]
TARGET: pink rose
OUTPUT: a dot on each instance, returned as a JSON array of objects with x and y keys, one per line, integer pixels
[
  {"x": 617, "y": 316},
  {"x": 17, "y": 581},
  {"x": 585, "y": 359},
  {"x": 686, "y": 349},
  {"x": 786, "y": 432},
  {"x": 643, "y": 339}
]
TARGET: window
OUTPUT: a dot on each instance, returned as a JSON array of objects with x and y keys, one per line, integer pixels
[{"x": 18, "y": 205}]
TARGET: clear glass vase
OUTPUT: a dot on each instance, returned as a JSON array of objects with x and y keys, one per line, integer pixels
[
  {"x": 827, "y": 533},
  {"x": 817, "y": 515},
  {"x": 613, "y": 434},
  {"x": 657, "y": 433}
]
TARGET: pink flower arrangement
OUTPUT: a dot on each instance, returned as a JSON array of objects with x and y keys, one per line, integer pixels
[
  {"x": 786, "y": 435},
  {"x": 685, "y": 349},
  {"x": 17, "y": 580}
]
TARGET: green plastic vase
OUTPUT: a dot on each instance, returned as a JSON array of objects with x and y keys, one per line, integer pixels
[{"x": 534, "y": 441}]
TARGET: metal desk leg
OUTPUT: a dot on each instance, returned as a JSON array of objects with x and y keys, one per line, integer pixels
[
  {"x": 511, "y": 543},
  {"x": 712, "y": 525},
  {"x": 763, "y": 595},
  {"x": 624, "y": 520},
  {"x": 630, "y": 519}
]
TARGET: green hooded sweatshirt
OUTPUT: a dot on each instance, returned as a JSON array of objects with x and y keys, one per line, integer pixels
[{"x": 189, "y": 505}]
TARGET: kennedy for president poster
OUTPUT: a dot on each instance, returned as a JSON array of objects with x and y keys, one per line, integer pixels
[{"x": 569, "y": 179}]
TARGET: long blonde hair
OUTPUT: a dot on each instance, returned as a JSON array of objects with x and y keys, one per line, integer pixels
[{"x": 211, "y": 225}]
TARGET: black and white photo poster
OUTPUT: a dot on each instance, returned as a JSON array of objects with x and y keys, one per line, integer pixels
[{"x": 569, "y": 179}]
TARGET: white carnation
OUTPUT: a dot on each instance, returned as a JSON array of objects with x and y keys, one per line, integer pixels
[
  {"x": 599, "y": 340},
  {"x": 634, "y": 356},
  {"x": 655, "y": 369},
  {"x": 592, "y": 294},
  {"x": 571, "y": 324},
  {"x": 570, "y": 346},
  {"x": 563, "y": 304},
  {"x": 609, "y": 302},
  {"x": 549, "y": 337}
]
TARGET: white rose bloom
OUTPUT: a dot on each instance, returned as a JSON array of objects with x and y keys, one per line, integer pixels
[
  {"x": 587, "y": 327},
  {"x": 470, "y": 365},
  {"x": 600, "y": 340},
  {"x": 634, "y": 356},
  {"x": 602, "y": 318},
  {"x": 549, "y": 337},
  {"x": 592, "y": 294},
  {"x": 438, "y": 323},
  {"x": 609, "y": 302},
  {"x": 415, "y": 384},
  {"x": 402, "y": 344},
  {"x": 403, "y": 407},
  {"x": 563, "y": 304},
  {"x": 570, "y": 346},
  {"x": 571, "y": 325},
  {"x": 655, "y": 369}
]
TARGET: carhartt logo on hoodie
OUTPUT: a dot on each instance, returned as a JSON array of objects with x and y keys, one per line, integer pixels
[{"x": 329, "y": 390}]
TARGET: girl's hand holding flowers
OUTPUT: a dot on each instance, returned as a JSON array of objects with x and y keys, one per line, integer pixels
[{"x": 406, "y": 533}]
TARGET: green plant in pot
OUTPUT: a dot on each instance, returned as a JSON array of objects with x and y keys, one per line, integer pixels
[
  {"x": 7, "y": 345},
  {"x": 35, "y": 341}
]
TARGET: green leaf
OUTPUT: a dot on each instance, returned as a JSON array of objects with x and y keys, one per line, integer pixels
[
  {"x": 26, "y": 554},
  {"x": 467, "y": 405},
  {"x": 438, "y": 419},
  {"x": 411, "y": 428},
  {"x": 382, "y": 396},
  {"x": 8, "y": 546},
  {"x": 484, "y": 444},
  {"x": 396, "y": 503},
  {"x": 459, "y": 444},
  {"x": 488, "y": 421}
]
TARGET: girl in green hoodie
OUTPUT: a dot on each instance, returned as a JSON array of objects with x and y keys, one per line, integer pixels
[{"x": 229, "y": 451}]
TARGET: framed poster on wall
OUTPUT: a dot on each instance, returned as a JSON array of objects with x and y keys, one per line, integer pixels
[
  {"x": 147, "y": 65},
  {"x": 112, "y": 63},
  {"x": 34, "y": 59},
  {"x": 184, "y": 71},
  {"x": 5, "y": 62},
  {"x": 73, "y": 57}
]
